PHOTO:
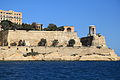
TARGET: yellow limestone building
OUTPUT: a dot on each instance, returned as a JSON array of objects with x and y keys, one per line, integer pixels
[{"x": 15, "y": 17}]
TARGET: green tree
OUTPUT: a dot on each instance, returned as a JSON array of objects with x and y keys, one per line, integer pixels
[
  {"x": 55, "y": 43},
  {"x": 6, "y": 25},
  {"x": 45, "y": 29},
  {"x": 52, "y": 27},
  {"x": 61, "y": 28},
  {"x": 26, "y": 27},
  {"x": 42, "y": 42},
  {"x": 34, "y": 25}
]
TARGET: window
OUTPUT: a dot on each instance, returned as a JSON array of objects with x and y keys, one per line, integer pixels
[{"x": 68, "y": 29}]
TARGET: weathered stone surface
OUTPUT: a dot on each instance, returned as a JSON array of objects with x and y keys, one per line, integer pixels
[
  {"x": 95, "y": 47},
  {"x": 99, "y": 41},
  {"x": 98, "y": 58},
  {"x": 58, "y": 53},
  {"x": 33, "y": 37}
]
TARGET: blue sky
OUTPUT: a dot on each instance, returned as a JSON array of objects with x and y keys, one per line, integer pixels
[{"x": 105, "y": 14}]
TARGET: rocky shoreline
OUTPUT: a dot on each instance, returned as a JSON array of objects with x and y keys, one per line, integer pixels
[{"x": 24, "y": 53}]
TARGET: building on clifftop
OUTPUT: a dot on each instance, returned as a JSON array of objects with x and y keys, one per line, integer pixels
[
  {"x": 15, "y": 17},
  {"x": 93, "y": 39}
]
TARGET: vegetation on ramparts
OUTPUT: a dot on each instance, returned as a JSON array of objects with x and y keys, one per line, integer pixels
[
  {"x": 31, "y": 54},
  {"x": 8, "y": 25}
]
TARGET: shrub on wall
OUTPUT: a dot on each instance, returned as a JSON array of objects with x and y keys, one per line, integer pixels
[
  {"x": 55, "y": 43},
  {"x": 13, "y": 44},
  {"x": 42, "y": 42},
  {"x": 31, "y": 54},
  {"x": 71, "y": 43}
]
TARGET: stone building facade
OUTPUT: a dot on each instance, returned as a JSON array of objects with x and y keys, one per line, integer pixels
[
  {"x": 68, "y": 28},
  {"x": 15, "y": 17}
]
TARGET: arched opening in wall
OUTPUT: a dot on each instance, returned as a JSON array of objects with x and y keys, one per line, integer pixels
[
  {"x": 68, "y": 29},
  {"x": 71, "y": 43},
  {"x": 93, "y": 30},
  {"x": 42, "y": 42}
]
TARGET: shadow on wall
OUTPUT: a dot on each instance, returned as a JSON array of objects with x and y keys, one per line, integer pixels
[
  {"x": 86, "y": 41},
  {"x": 4, "y": 38}
]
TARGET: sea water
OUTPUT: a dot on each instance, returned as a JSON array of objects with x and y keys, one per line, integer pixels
[{"x": 59, "y": 70}]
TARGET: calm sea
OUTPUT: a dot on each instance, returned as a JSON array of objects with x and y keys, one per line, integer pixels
[{"x": 59, "y": 70}]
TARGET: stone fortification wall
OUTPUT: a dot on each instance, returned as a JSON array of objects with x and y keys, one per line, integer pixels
[
  {"x": 99, "y": 41},
  {"x": 0, "y": 38},
  {"x": 96, "y": 40},
  {"x": 3, "y": 37},
  {"x": 33, "y": 37}
]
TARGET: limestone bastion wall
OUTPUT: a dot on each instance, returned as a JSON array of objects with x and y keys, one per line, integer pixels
[
  {"x": 99, "y": 41},
  {"x": 33, "y": 37}
]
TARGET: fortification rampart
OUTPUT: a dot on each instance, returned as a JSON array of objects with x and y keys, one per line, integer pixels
[
  {"x": 93, "y": 46},
  {"x": 32, "y": 38},
  {"x": 56, "y": 53}
]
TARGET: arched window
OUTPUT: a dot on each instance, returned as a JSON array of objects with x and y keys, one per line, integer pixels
[
  {"x": 68, "y": 29},
  {"x": 71, "y": 43},
  {"x": 93, "y": 31}
]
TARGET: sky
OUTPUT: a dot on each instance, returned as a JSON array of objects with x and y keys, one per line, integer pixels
[{"x": 105, "y": 14}]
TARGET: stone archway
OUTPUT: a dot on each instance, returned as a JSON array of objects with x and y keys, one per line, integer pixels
[
  {"x": 71, "y": 43},
  {"x": 68, "y": 29}
]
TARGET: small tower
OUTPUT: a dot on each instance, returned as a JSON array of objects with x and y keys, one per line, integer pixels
[
  {"x": 92, "y": 30},
  {"x": 68, "y": 28}
]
